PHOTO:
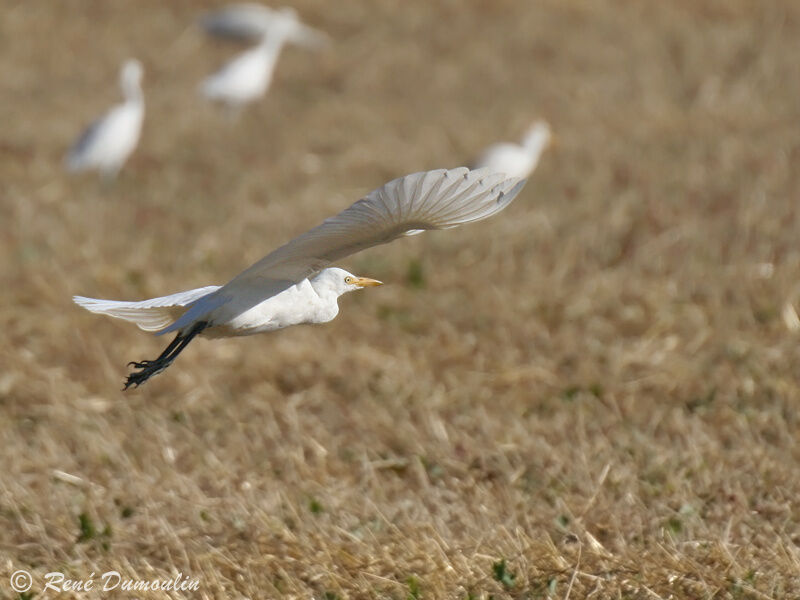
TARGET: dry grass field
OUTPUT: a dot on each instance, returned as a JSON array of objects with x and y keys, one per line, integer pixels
[{"x": 592, "y": 395}]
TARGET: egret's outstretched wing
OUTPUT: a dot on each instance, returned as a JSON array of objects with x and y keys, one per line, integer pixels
[
  {"x": 240, "y": 21},
  {"x": 252, "y": 21},
  {"x": 150, "y": 315},
  {"x": 430, "y": 200}
]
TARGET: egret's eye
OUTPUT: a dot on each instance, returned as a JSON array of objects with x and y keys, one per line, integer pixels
[{"x": 348, "y": 279}]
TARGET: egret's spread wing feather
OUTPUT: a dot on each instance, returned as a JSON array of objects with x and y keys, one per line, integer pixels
[
  {"x": 150, "y": 315},
  {"x": 402, "y": 205},
  {"x": 238, "y": 21},
  {"x": 422, "y": 201}
]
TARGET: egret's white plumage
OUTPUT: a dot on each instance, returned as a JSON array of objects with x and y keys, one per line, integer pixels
[
  {"x": 292, "y": 284},
  {"x": 248, "y": 76},
  {"x": 108, "y": 142},
  {"x": 251, "y": 21},
  {"x": 517, "y": 160}
]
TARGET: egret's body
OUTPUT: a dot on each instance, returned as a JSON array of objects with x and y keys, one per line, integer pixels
[
  {"x": 248, "y": 76},
  {"x": 517, "y": 160},
  {"x": 313, "y": 300},
  {"x": 292, "y": 284},
  {"x": 108, "y": 142}
]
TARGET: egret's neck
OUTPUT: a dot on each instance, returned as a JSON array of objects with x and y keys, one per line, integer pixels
[
  {"x": 132, "y": 91},
  {"x": 272, "y": 44},
  {"x": 326, "y": 289}
]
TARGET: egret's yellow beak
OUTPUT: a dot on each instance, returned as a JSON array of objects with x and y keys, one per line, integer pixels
[{"x": 367, "y": 282}]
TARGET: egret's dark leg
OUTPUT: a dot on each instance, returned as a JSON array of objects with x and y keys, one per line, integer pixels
[
  {"x": 148, "y": 368},
  {"x": 175, "y": 342}
]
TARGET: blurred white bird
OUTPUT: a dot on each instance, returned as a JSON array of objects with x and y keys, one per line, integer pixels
[
  {"x": 517, "y": 160},
  {"x": 248, "y": 76},
  {"x": 252, "y": 21},
  {"x": 292, "y": 285},
  {"x": 108, "y": 142}
]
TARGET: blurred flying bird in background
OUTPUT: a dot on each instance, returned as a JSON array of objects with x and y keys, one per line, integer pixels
[
  {"x": 248, "y": 76},
  {"x": 292, "y": 285},
  {"x": 252, "y": 21},
  {"x": 108, "y": 142},
  {"x": 517, "y": 160}
]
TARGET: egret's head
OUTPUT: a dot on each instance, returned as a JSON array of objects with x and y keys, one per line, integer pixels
[
  {"x": 282, "y": 23},
  {"x": 538, "y": 137},
  {"x": 287, "y": 12},
  {"x": 131, "y": 74},
  {"x": 340, "y": 281}
]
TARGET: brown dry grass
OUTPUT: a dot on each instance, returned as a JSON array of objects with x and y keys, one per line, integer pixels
[{"x": 598, "y": 385}]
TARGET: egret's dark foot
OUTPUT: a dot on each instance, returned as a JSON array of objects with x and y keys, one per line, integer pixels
[
  {"x": 148, "y": 368},
  {"x": 142, "y": 365}
]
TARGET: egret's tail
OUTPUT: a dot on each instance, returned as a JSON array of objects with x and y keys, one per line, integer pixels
[
  {"x": 74, "y": 163},
  {"x": 148, "y": 368},
  {"x": 208, "y": 88},
  {"x": 151, "y": 315},
  {"x": 213, "y": 88}
]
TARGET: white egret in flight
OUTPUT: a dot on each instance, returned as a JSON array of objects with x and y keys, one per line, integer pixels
[
  {"x": 292, "y": 285},
  {"x": 248, "y": 76},
  {"x": 110, "y": 140},
  {"x": 251, "y": 21},
  {"x": 517, "y": 160}
]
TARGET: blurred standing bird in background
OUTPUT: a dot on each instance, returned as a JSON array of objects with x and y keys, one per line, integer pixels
[
  {"x": 108, "y": 142},
  {"x": 248, "y": 76},
  {"x": 517, "y": 160}
]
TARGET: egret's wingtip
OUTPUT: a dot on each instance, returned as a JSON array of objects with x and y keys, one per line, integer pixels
[{"x": 512, "y": 193}]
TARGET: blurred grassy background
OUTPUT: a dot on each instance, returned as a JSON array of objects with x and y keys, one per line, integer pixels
[{"x": 598, "y": 386}]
